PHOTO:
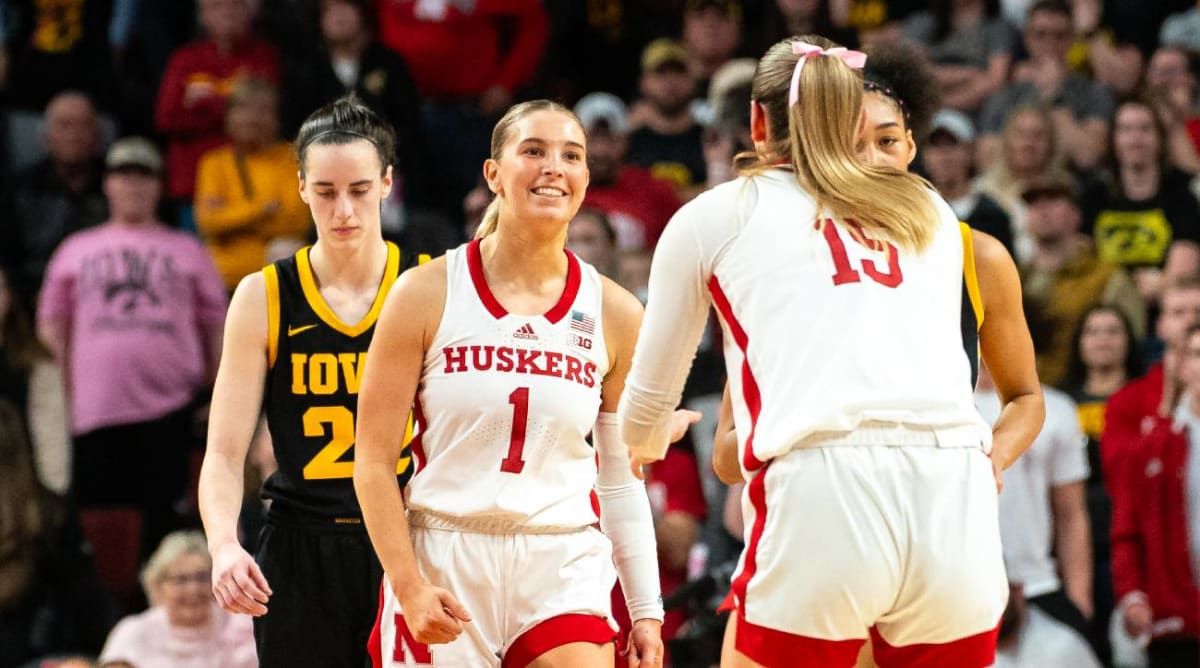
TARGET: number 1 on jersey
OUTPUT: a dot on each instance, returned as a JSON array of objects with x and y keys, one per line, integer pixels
[{"x": 516, "y": 439}]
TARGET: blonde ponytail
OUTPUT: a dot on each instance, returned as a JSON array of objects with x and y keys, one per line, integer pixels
[
  {"x": 817, "y": 135},
  {"x": 491, "y": 218}
]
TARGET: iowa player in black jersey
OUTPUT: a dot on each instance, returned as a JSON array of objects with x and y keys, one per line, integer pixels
[{"x": 296, "y": 340}]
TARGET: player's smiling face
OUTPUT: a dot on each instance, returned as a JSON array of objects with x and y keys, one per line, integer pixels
[
  {"x": 342, "y": 186},
  {"x": 542, "y": 173}
]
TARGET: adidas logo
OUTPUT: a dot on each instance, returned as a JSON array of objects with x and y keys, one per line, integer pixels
[{"x": 525, "y": 332}]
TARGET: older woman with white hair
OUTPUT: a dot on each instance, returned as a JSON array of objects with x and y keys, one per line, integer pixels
[{"x": 184, "y": 627}]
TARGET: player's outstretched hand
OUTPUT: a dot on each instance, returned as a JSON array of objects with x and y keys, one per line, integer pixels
[
  {"x": 237, "y": 581},
  {"x": 681, "y": 420},
  {"x": 434, "y": 616},
  {"x": 645, "y": 644}
]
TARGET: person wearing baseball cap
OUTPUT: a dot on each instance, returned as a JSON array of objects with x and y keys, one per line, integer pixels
[
  {"x": 664, "y": 53},
  {"x": 637, "y": 204},
  {"x": 948, "y": 158},
  {"x": 133, "y": 310},
  {"x": 135, "y": 155},
  {"x": 665, "y": 137}
]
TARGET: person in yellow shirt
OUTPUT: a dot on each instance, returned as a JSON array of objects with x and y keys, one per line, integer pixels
[{"x": 246, "y": 190}]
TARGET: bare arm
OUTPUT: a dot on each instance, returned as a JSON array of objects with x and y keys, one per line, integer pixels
[
  {"x": 1008, "y": 352},
  {"x": 237, "y": 396},
  {"x": 1117, "y": 66},
  {"x": 968, "y": 95},
  {"x": 1086, "y": 139},
  {"x": 732, "y": 517},
  {"x": 389, "y": 385},
  {"x": 1073, "y": 543},
  {"x": 54, "y": 333},
  {"x": 1183, "y": 261},
  {"x": 725, "y": 445},
  {"x": 213, "y": 346}
]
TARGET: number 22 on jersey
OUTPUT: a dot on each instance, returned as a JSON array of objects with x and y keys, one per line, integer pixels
[
  {"x": 327, "y": 464},
  {"x": 845, "y": 273}
]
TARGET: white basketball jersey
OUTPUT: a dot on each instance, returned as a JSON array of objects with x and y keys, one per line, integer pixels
[
  {"x": 505, "y": 404},
  {"x": 827, "y": 329}
]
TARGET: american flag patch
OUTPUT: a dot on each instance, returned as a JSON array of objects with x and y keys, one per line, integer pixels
[{"x": 581, "y": 322}]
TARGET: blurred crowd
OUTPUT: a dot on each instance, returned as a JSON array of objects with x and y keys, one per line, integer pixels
[{"x": 1070, "y": 129}]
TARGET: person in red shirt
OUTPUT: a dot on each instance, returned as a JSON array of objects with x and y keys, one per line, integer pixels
[
  {"x": 1155, "y": 548},
  {"x": 467, "y": 65},
  {"x": 638, "y": 203},
  {"x": 431, "y": 35},
  {"x": 1131, "y": 410},
  {"x": 190, "y": 110}
]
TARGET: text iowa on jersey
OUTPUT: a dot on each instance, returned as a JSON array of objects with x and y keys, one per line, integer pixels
[{"x": 326, "y": 373}]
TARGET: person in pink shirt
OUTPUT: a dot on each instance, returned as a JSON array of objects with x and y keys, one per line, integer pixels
[
  {"x": 184, "y": 627},
  {"x": 133, "y": 311}
]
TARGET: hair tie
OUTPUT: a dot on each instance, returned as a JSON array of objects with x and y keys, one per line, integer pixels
[{"x": 853, "y": 59}]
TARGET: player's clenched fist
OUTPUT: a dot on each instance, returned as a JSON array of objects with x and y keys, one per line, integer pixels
[
  {"x": 237, "y": 581},
  {"x": 433, "y": 615}
]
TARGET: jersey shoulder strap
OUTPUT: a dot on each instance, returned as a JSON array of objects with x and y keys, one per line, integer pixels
[{"x": 970, "y": 277}]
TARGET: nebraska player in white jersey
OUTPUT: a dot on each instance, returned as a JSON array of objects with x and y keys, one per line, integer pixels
[
  {"x": 514, "y": 350},
  {"x": 871, "y": 505}
]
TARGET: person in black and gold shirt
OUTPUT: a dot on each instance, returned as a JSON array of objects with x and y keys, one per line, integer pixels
[
  {"x": 1145, "y": 219},
  {"x": 296, "y": 341}
]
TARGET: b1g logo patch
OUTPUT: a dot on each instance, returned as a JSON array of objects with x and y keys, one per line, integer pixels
[{"x": 581, "y": 341}]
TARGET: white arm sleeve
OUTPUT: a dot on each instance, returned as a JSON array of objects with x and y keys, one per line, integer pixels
[
  {"x": 626, "y": 519},
  {"x": 676, "y": 312}
]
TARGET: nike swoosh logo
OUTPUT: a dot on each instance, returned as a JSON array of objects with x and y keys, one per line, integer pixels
[{"x": 297, "y": 330}]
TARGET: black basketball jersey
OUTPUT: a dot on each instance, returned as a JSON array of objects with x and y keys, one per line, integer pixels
[{"x": 311, "y": 399}]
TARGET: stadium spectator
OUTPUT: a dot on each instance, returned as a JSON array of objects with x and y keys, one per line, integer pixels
[
  {"x": 637, "y": 203},
  {"x": 133, "y": 311},
  {"x": 184, "y": 627},
  {"x": 190, "y": 110},
  {"x": 246, "y": 191},
  {"x": 1081, "y": 108},
  {"x": 59, "y": 195}
]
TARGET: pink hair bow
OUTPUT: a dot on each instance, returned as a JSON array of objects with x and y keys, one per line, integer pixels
[{"x": 853, "y": 59}]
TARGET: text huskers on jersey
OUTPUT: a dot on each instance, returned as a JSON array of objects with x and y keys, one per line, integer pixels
[{"x": 506, "y": 359}]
